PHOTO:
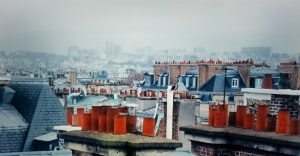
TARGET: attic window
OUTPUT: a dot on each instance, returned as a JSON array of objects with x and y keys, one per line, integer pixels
[
  {"x": 231, "y": 98},
  {"x": 180, "y": 79},
  {"x": 159, "y": 81},
  {"x": 194, "y": 82},
  {"x": 258, "y": 83},
  {"x": 148, "y": 81},
  {"x": 164, "y": 81},
  {"x": 235, "y": 83},
  {"x": 187, "y": 82}
]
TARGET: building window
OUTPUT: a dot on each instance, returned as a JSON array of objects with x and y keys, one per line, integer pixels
[
  {"x": 159, "y": 81},
  {"x": 187, "y": 81},
  {"x": 258, "y": 83},
  {"x": 164, "y": 80},
  {"x": 231, "y": 98},
  {"x": 194, "y": 82},
  {"x": 148, "y": 81},
  {"x": 180, "y": 79},
  {"x": 235, "y": 83}
]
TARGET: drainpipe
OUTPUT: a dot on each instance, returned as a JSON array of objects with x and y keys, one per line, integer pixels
[{"x": 224, "y": 91}]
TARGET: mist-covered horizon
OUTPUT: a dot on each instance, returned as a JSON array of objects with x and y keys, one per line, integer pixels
[{"x": 214, "y": 25}]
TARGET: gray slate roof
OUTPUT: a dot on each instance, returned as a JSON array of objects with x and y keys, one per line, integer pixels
[
  {"x": 193, "y": 71},
  {"x": 13, "y": 127},
  {"x": 6, "y": 94},
  {"x": 260, "y": 72},
  {"x": 37, "y": 103},
  {"x": 216, "y": 83},
  {"x": 10, "y": 118},
  {"x": 64, "y": 152}
]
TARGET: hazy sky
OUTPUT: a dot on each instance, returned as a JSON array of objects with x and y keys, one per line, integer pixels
[{"x": 216, "y": 25}]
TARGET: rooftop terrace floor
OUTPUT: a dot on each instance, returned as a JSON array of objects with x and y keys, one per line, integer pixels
[{"x": 126, "y": 140}]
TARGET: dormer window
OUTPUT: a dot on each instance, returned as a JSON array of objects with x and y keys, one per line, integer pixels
[
  {"x": 187, "y": 81},
  {"x": 159, "y": 81},
  {"x": 180, "y": 79},
  {"x": 258, "y": 83},
  {"x": 235, "y": 83},
  {"x": 194, "y": 82},
  {"x": 164, "y": 81},
  {"x": 231, "y": 98},
  {"x": 148, "y": 81}
]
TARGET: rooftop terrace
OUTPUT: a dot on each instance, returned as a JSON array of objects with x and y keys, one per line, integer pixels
[{"x": 109, "y": 144}]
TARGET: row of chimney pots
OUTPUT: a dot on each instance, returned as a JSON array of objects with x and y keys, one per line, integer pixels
[
  {"x": 78, "y": 90},
  {"x": 108, "y": 119},
  {"x": 219, "y": 117},
  {"x": 149, "y": 93}
]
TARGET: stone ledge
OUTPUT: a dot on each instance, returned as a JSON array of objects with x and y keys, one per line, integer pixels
[
  {"x": 119, "y": 141},
  {"x": 232, "y": 132}
]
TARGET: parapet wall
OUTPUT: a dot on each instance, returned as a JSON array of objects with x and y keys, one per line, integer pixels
[{"x": 235, "y": 141}]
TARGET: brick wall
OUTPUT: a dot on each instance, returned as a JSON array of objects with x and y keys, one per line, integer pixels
[
  {"x": 162, "y": 126},
  {"x": 209, "y": 150},
  {"x": 284, "y": 101},
  {"x": 207, "y": 71},
  {"x": 276, "y": 103},
  {"x": 176, "y": 70},
  {"x": 296, "y": 77},
  {"x": 203, "y": 149},
  {"x": 294, "y": 70},
  {"x": 244, "y": 69},
  {"x": 80, "y": 153},
  {"x": 175, "y": 131},
  {"x": 158, "y": 69}
]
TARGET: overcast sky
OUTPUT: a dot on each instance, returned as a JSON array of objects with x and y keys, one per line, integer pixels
[{"x": 216, "y": 25}]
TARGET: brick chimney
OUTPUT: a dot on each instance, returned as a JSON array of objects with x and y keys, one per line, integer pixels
[
  {"x": 285, "y": 81},
  {"x": 296, "y": 77},
  {"x": 244, "y": 69},
  {"x": 268, "y": 81}
]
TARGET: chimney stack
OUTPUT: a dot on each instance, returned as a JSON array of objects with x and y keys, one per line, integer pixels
[
  {"x": 268, "y": 81},
  {"x": 169, "y": 125}
]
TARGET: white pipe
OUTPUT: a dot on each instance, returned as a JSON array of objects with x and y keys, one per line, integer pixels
[
  {"x": 155, "y": 111},
  {"x": 169, "y": 125},
  {"x": 159, "y": 118}
]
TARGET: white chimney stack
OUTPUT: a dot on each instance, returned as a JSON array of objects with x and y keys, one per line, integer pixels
[{"x": 170, "y": 99}]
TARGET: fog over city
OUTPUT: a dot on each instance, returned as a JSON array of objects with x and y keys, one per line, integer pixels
[
  {"x": 149, "y": 77},
  {"x": 211, "y": 25}
]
